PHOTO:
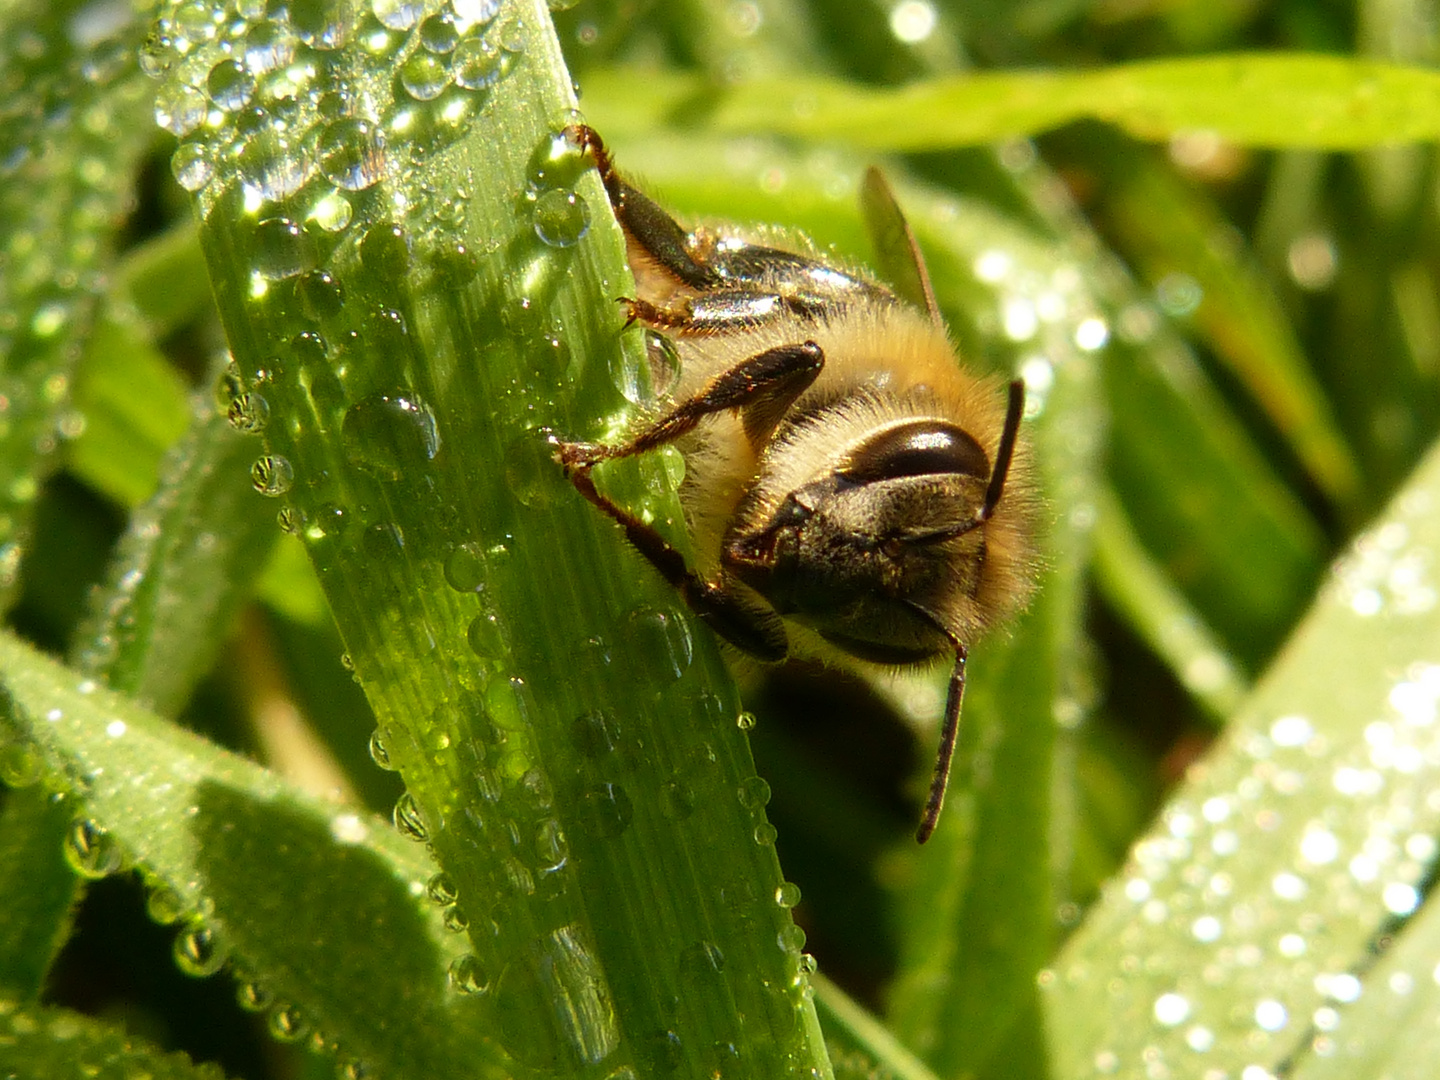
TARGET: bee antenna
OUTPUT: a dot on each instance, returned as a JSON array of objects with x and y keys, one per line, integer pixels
[
  {"x": 949, "y": 734},
  {"x": 1013, "y": 412}
]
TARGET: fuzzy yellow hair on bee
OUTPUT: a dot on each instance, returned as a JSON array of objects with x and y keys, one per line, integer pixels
[{"x": 853, "y": 492}]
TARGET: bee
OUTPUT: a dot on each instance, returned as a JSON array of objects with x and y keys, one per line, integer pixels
[{"x": 846, "y": 478}]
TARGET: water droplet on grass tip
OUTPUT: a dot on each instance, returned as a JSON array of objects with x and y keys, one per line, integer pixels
[{"x": 91, "y": 850}]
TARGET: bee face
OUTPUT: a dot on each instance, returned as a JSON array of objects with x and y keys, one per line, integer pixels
[
  {"x": 870, "y": 549},
  {"x": 844, "y": 473}
]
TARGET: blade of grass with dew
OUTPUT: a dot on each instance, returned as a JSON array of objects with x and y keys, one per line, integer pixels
[
  {"x": 417, "y": 311},
  {"x": 321, "y": 911},
  {"x": 1305, "y": 836},
  {"x": 57, "y": 1042}
]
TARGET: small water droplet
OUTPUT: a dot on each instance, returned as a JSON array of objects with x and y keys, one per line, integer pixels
[
  {"x": 465, "y": 568},
  {"x": 478, "y": 63},
  {"x": 248, "y": 412},
  {"x": 287, "y": 1023},
  {"x": 557, "y": 162},
  {"x": 281, "y": 249},
  {"x": 199, "y": 950},
  {"x": 163, "y": 904},
  {"x": 467, "y": 976},
  {"x": 438, "y": 34},
  {"x": 424, "y": 76},
  {"x": 745, "y": 721},
  {"x": 379, "y": 751},
  {"x": 606, "y": 811},
  {"x": 191, "y": 166},
  {"x": 251, "y": 996},
  {"x": 562, "y": 218},
  {"x": 91, "y": 850},
  {"x": 533, "y": 476},
  {"x": 475, "y": 14},
  {"x": 791, "y": 938},
  {"x": 408, "y": 819},
  {"x": 229, "y": 85},
  {"x": 385, "y": 250},
  {"x": 272, "y": 475},
  {"x": 765, "y": 833},
  {"x": 20, "y": 762},
  {"x": 662, "y": 637},
  {"x": 486, "y": 636},
  {"x": 352, "y": 154},
  {"x": 511, "y": 36},
  {"x": 268, "y": 45},
  {"x": 321, "y": 295},
  {"x": 398, "y": 14},
  {"x": 787, "y": 894},
  {"x": 455, "y": 919},
  {"x": 388, "y": 432},
  {"x": 677, "y": 800},
  {"x": 595, "y": 734},
  {"x": 753, "y": 793},
  {"x": 441, "y": 889}
]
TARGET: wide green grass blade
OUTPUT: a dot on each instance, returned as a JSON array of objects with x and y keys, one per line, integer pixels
[
  {"x": 1293, "y": 850},
  {"x": 358, "y": 952},
  {"x": 37, "y": 886},
  {"x": 1257, "y": 99},
  {"x": 415, "y": 320}
]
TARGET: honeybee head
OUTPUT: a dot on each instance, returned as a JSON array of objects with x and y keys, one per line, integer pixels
[{"x": 882, "y": 552}]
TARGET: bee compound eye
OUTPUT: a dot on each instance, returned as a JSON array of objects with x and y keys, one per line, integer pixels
[{"x": 916, "y": 448}]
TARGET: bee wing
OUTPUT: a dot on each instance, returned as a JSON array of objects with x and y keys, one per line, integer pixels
[{"x": 897, "y": 253}]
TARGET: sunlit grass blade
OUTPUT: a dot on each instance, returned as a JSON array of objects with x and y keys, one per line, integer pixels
[
  {"x": 419, "y": 304},
  {"x": 58, "y": 1042},
  {"x": 1257, "y": 99},
  {"x": 1302, "y": 838}
]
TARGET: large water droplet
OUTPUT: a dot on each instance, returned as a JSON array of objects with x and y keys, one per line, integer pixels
[
  {"x": 389, "y": 432},
  {"x": 408, "y": 819},
  {"x": 553, "y": 1004},
  {"x": 91, "y": 850},
  {"x": 424, "y": 76},
  {"x": 556, "y": 163},
  {"x": 385, "y": 250},
  {"x": 441, "y": 889},
  {"x": 268, "y": 45},
  {"x": 199, "y": 951},
  {"x": 398, "y": 14},
  {"x": 478, "y": 63},
  {"x": 438, "y": 34},
  {"x": 191, "y": 166},
  {"x": 179, "y": 109},
  {"x": 467, "y": 975},
  {"x": 248, "y": 412},
  {"x": 281, "y": 249},
  {"x": 352, "y": 154},
  {"x": 229, "y": 85},
  {"x": 321, "y": 295},
  {"x": 465, "y": 568},
  {"x": 475, "y": 14},
  {"x": 272, "y": 475},
  {"x": 662, "y": 636},
  {"x": 562, "y": 218},
  {"x": 606, "y": 811}
]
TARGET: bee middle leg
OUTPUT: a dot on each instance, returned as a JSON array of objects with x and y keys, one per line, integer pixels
[{"x": 762, "y": 387}]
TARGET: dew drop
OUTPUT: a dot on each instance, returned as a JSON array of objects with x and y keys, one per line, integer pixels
[
  {"x": 424, "y": 76},
  {"x": 787, "y": 894},
  {"x": 745, "y": 721},
  {"x": 352, "y": 154},
  {"x": 321, "y": 296},
  {"x": 438, "y": 34},
  {"x": 595, "y": 733},
  {"x": 562, "y": 218},
  {"x": 272, "y": 475},
  {"x": 229, "y": 85},
  {"x": 91, "y": 850},
  {"x": 556, "y": 163},
  {"x": 455, "y": 919},
  {"x": 765, "y": 833},
  {"x": 191, "y": 166},
  {"x": 441, "y": 889},
  {"x": 511, "y": 36},
  {"x": 270, "y": 167},
  {"x": 398, "y": 14},
  {"x": 477, "y": 14},
  {"x": 163, "y": 904},
  {"x": 179, "y": 109},
  {"x": 385, "y": 250},
  {"x": 281, "y": 249},
  {"x": 677, "y": 800},
  {"x": 753, "y": 793},
  {"x": 465, "y": 568},
  {"x": 606, "y": 811},
  {"x": 553, "y": 1004},
  {"x": 248, "y": 412},
  {"x": 477, "y": 64},
  {"x": 268, "y": 45},
  {"x": 379, "y": 751},
  {"x": 199, "y": 950},
  {"x": 287, "y": 1024},
  {"x": 533, "y": 476},
  {"x": 20, "y": 763},
  {"x": 408, "y": 819},
  {"x": 388, "y": 432},
  {"x": 486, "y": 636},
  {"x": 467, "y": 976},
  {"x": 791, "y": 938},
  {"x": 663, "y": 637},
  {"x": 252, "y": 997}
]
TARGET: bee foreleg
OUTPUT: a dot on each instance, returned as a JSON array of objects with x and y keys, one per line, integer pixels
[
  {"x": 721, "y": 605},
  {"x": 763, "y": 386}
]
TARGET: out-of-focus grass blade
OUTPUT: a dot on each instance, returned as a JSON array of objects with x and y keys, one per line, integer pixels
[
  {"x": 418, "y": 280},
  {"x": 57, "y": 1042},
  {"x": 1143, "y": 594},
  {"x": 358, "y": 951},
  {"x": 73, "y": 124},
  {"x": 1256, "y": 99},
  {"x": 860, "y": 1044},
  {"x": 1306, "y": 835},
  {"x": 188, "y": 559},
  {"x": 1169, "y": 229}
]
